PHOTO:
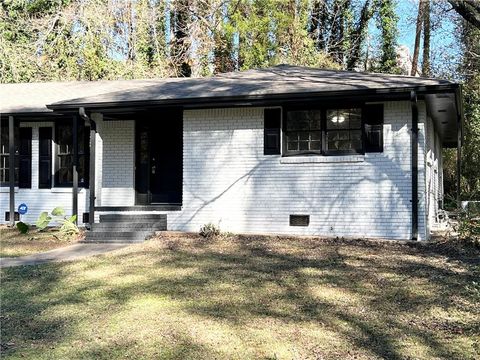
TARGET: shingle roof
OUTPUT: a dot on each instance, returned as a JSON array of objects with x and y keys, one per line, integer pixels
[
  {"x": 281, "y": 79},
  {"x": 33, "y": 97}
]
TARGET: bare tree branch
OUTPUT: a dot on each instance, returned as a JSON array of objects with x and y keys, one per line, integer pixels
[{"x": 468, "y": 9}]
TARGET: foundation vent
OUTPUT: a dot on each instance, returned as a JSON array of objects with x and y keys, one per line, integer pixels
[
  {"x": 299, "y": 220},
  {"x": 16, "y": 216}
]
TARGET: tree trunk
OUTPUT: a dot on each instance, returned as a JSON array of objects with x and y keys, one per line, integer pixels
[
  {"x": 426, "y": 39},
  {"x": 418, "y": 33},
  {"x": 358, "y": 36}
]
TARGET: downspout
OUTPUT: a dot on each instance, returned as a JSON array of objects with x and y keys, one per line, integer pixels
[
  {"x": 414, "y": 144},
  {"x": 459, "y": 103},
  {"x": 91, "y": 201}
]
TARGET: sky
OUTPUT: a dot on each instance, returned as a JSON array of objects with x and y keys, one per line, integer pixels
[{"x": 444, "y": 46}]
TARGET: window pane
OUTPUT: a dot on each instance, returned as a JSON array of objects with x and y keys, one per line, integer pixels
[
  {"x": 344, "y": 119},
  {"x": 64, "y": 138},
  {"x": 303, "y": 145},
  {"x": 337, "y": 119},
  {"x": 356, "y": 140},
  {"x": 303, "y": 120},
  {"x": 355, "y": 118},
  {"x": 336, "y": 140},
  {"x": 292, "y": 136},
  {"x": 315, "y": 145},
  {"x": 292, "y": 145},
  {"x": 304, "y": 136},
  {"x": 344, "y": 140},
  {"x": 315, "y": 136}
]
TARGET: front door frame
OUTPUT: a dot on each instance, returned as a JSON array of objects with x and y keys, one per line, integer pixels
[{"x": 143, "y": 191}]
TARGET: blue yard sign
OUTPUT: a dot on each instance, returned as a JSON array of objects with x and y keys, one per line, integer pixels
[{"x": 22, "y": 209}]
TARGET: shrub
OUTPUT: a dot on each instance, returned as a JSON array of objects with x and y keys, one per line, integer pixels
[
  {"x": 23, "y": 227},
  {"x": 209, "y": 230},
  {"x": 469, "y": 228}
]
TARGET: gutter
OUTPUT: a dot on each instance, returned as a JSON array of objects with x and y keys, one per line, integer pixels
[
  {"x": 254, "y": 99},
  {"x": 414, "y": 163}
]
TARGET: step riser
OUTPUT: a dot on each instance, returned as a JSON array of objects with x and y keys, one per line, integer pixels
[
  {"x": 123, "y": 236},
  {"x": 129, "y": 227},
  {"x": 111, "y": 241},
  {"x": 133, "y": 218}
]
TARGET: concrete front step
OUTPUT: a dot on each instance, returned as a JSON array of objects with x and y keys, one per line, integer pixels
[
  {"x": 133, "y": 218},
  {"x": 111, "y": 241},
  {"x": 128, "y": 235},
  {"x": 125, "y": 228},
  {"x": 129, "y": 226}
]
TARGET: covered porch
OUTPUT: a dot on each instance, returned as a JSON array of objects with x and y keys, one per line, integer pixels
[{"x": 114, "y": 163}]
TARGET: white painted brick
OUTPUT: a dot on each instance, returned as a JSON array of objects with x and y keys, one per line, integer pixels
[{"x": 228, "y": 181}]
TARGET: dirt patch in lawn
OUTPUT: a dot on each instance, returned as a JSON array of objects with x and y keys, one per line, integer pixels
[
  {"x": 180, "y": 296},
  {"x": 14, "y": 244}
]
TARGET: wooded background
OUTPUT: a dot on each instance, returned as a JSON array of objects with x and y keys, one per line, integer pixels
[{"x": 46, "y": 40}]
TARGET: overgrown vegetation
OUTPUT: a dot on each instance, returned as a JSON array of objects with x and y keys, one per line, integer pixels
[{"x": 247, "y": 297}]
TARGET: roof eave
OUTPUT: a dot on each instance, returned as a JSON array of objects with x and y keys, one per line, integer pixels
[{"x": 256, "y": 99}]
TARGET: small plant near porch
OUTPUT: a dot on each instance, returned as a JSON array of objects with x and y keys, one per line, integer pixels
[
  {"x": 209, "y": 230},
  {"x": 68, "y": 227}
]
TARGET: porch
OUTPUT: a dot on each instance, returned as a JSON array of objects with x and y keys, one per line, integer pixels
[{"x": 103, "y": 163}]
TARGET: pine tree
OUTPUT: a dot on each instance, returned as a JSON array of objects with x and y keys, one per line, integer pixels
[{"x": 387, "y": 20}]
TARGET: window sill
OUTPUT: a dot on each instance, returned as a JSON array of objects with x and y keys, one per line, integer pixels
[
  {"x": 67, "y": 190},
  {"x": 322, "y": 159},
  {"x": 6, "y": 189}
]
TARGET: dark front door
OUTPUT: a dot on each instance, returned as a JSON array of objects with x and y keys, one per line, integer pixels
[{"x": 159, "y": 146}]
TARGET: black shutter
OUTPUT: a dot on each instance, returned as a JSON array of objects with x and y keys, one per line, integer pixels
[
  {"x": 373, "y": 120},
  {"x": 45, "y": 158},
  {"x": 271, "y": 141},
  {"x": 25, "y": 158}
]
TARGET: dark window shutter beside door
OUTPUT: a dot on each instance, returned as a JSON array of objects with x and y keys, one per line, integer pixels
[
  {"x": 45, "y": 158},
  {"x": 373, "y": 120},
  {"x": 271, "y": 142},
  {"x": 25, "y": 158}
]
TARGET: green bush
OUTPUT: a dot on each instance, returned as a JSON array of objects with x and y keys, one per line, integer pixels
[{"x": 23, "y": 227}]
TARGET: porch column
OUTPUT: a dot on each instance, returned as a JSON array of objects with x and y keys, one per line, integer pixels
[
  {"x": 11, "y": 165},
  {"x": 75, "y": 168},
  {"x": 92, "y": 181}
]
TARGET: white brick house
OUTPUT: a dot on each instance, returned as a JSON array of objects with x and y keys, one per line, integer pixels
[{"x": 246, "y": 151}]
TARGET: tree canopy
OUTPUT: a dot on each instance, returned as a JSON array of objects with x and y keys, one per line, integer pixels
[{"x": 45, "y": 40}]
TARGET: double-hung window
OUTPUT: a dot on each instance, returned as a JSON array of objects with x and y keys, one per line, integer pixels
[
  {"x": 332, "y": 130},
  {"x": 64, "y": 154},
  {"x": 5, "y": 154},
  {"x": 344, "y": 131},
  {"x": 22, "y": 156},
  {"x": 303, "y": 132}
]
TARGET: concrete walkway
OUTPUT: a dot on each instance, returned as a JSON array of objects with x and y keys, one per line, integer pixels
[{"x": 67, "y": 253}]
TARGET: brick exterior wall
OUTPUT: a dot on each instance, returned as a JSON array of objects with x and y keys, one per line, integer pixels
[
  {"x": 228, "y": 181},
  {"x": 118, "y": 149}
]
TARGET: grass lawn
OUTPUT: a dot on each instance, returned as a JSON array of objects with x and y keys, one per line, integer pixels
[
  {"x": 184, "y": 297},
  {"x": 13, "y": 244}
]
